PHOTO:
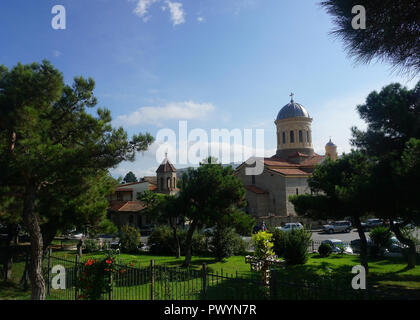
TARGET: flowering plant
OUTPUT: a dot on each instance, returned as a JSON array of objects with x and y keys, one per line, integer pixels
[{"x": 95, "y": 278}]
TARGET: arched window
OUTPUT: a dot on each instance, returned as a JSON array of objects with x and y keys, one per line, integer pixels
[
  {"x": 307, "y": 136},
  {"x": 300, "y": 136},
  {"x": 284, "y": 137},
  {"x": 174, "y": 182},
  {"x": 161, "y": 183},
  {"x": 168, "y": 183},
  {"x": 292, "y": 136}
]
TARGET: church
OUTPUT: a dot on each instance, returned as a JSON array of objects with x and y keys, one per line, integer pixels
[
  {"x": 285, "y": 173},
  {"x": 126, "y": 209}
]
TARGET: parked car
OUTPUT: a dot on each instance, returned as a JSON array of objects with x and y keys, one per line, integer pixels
[
  {"x": 396, "y": 246},
  {"x": 337, "y": 245},
  {"x": 76, "y": 235},
  {"x": 372, "y": 223},
  {"x": 337, "y": 226},
  {"x": 291, "y": 226}
]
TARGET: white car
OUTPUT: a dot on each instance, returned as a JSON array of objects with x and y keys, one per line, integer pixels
[
  {"x": 336, "y": 244},
  {"x": 77, "y": 235},
  {"x": 291, "y": 226}
]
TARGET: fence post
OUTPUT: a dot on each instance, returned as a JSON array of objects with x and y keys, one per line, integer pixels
[
  {"x": 110, "y": 286},
  {"x": 204, "y": 280},
  {"x": 76, "y": 272},
  {"x": 152, "y": 279},
  {"x": 49, "y": 271}
]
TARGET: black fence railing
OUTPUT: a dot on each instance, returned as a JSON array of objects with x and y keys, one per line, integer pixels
[{"x": 160, "y": 282}]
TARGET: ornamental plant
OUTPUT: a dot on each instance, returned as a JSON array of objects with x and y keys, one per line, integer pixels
[
  {"x": 95, "y": 278},
  {"x": 263, "y": 245}
]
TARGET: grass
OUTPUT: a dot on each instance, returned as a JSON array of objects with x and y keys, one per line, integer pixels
[{"x": 388, "y": 275}]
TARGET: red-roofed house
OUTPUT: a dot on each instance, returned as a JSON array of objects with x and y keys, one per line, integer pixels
[{"x": 124, "y": 208}]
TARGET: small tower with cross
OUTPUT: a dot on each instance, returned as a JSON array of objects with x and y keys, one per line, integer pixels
[{"x": 166, "y": 177}]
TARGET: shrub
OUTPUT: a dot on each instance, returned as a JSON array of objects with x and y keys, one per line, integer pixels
[
  {"x": 263, "y": 245},
  {"x": 325, "y": 250},
  {"x": 129, "y": 239},
  {"x": 161, "y": 241},
  {"x": 91, "y": 245},
  {"x": 279, "y": 240},
  {"x": 198, "y": 244},
  {"x": 225, "y": 242},
  {"x": 296, "y": 249},
  {"x": 94, "y": 278},
  {"x": 381, "y": 238}
]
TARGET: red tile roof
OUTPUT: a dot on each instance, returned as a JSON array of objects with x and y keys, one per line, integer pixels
[
  {"x": 119, "y": 189},
  {"x": 127, "y": 206},
  {"x": 291, "y": 171},
  {"x": 255, "y": 189},
  {"x": 286, "y": 167},
  {"x": 166, "y": 166}
]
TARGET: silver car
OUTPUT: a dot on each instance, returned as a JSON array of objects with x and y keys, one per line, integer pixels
[
  {"x": 339, "y": 246},
  {"x": 338, "y": 226}
]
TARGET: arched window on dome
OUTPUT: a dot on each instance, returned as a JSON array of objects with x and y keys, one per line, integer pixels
[
  {"x": 284, "y": 137},
  {"x": 292, "y": 136},
  {"x": 300, "y": 136},
  {"x": 307, "y": 136}
]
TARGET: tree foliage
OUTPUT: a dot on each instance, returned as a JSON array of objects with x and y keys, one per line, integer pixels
[
  {"x": 341, "y": 189},
  {"x": 391, "y": 142},
  {"x": 392, "y": 31},
  {"x": 209, "y": 194},
  {"x": 130, "y": 177},
  {"x": 50, "y": 143}
]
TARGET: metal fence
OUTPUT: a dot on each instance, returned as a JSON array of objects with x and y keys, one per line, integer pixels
[
  {"x": 160, "y": 282},
  {"x": 157, "y": 282}
]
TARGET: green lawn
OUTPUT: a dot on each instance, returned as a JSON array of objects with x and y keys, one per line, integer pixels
[{"x": 389, "y": 274}]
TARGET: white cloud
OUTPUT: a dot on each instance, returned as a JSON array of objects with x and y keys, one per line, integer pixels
[
  {"x": 175, "y": 8},
  {"x": 186, "y": 110},
  {"x": 177, "y": 12},
  {"x": 142, "y": 8},
  {"x": 200, "y": 19}
]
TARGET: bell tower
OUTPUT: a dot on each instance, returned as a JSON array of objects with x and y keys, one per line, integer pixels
[{"x": 166, "y": 177}]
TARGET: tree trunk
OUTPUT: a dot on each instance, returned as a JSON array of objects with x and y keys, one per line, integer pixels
[
  {"x": 188, "y": 243},
  {"x": 176, "y": 238},
  {"x": 411, "y": 263},
  {"x": 32, "y": 226},
  {"x": 363, "y": 244}
]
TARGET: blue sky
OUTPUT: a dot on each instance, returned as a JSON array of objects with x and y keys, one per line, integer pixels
[{"x": 215, "y": 63}]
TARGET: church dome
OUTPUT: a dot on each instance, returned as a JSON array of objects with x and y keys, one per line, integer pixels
[
  {"x": 292, "y": 110},
  {"x": 330, "y": 144}
]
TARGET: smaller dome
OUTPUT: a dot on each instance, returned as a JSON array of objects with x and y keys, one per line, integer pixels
[
  {"x": 292, "y": 110},
  {"x": 330, "y": 144}
]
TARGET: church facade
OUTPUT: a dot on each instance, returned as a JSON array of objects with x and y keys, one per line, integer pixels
[{"x": 285, "y": 173}]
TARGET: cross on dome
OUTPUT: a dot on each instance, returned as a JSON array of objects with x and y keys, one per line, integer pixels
[{"x": 291, "y": 96}]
